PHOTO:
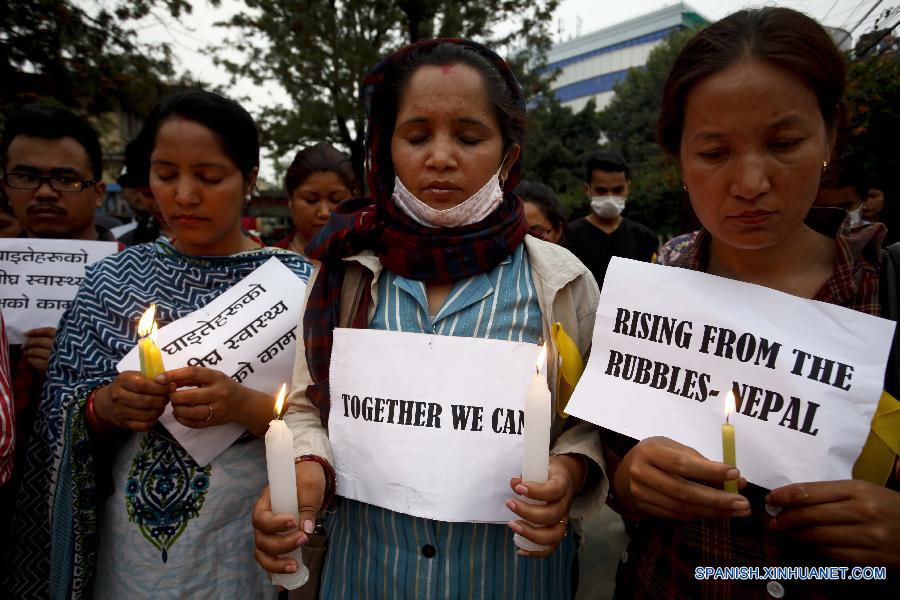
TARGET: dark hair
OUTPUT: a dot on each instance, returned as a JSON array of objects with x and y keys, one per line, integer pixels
[
  {"x": 502, "y": 89},
  {"x": 137, "y": 165},
  {"x": 543, "y": 197},
  {"x": 840, "y": 175},
  {"x": 232, "y": 125},
  {"x": 53, "y": 123},
  {"x": 320, "y": 158},
  {"x": 608, "y": 161},
  {"x": 782, "y": 37}
]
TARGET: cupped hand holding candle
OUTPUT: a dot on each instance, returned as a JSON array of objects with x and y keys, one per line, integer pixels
[
  {"x": 283, "y": 486},
  {"x": 536, "y": 459},
  {"x": 150, "y": 355}
]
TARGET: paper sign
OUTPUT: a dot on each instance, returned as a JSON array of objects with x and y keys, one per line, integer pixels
[
  {"x": 40, "y": 277},
  {"x": 669, "y": 343},
  {"x": 249, "y": 332},
  {"x": 428, "y": 425}
]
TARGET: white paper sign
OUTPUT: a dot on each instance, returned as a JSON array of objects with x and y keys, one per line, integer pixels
[
  {"x": 249, "y": 332},
  {"x": 669, "y": 343},
  {"x": 428, "y": 425},
  {"x": 40, "y": 277}
]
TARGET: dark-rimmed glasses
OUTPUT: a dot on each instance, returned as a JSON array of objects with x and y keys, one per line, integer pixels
[{"x": 32, "y": 181}]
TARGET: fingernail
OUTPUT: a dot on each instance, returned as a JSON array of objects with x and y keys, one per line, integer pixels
[
  {"x": 521, "y": 489},
  {"x": 740, "y": 505},
  {"x": 292, "y": 524},
  {"x": 291, "y": 568},
  {"x": 511, "y": 505},
  {"x": 732, "y": 474},
  {"x": 309, "y": 526},
  {"x": 522, "y": 553},
  {"x": 161, "y": 378},
  {"x": 301, "y": 540},
  {"x": 515, "y": 527},
  {"x": 741, "y": 513}
]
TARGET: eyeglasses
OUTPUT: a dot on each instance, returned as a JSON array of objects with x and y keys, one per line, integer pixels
[{"x": 32, "y": 181}]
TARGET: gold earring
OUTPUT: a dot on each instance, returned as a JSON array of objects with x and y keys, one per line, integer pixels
[
  {"x": 684, "y": 187},
  {"x": 824, "y": 165}
]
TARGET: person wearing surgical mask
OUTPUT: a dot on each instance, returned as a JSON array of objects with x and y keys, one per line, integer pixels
[{"x": 605, "y": 233}]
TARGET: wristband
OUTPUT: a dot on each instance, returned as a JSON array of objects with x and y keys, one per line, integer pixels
[
  {"x": 330, "y": 478},
  {"x": 90, "y": 414}
]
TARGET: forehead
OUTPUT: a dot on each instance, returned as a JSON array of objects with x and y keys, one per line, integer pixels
[
  {"x": 608, "y": 179},
  {"x": 183, "y": 141},
  {"x": 322, "y": 180},
  {"x": 456, "y": 90},
  {"x": 47, "y": 154},
  {"x": 747, "y": 96}
]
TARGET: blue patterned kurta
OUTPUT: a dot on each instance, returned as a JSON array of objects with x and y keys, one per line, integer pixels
[
  {"x": 378, "y": 553},
  {"x": 171, "y": 528}
]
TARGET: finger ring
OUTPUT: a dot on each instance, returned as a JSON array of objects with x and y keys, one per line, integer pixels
[{"x": 209, "y": 417}]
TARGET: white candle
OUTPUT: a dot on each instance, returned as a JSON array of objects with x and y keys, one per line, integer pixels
[
  {"x": 536, "y": 460},
  {"x": 283, "y": 487}
]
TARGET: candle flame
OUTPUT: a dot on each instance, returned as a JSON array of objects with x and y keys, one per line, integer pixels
[
  {"x": 146, "y": 324},
  {"x": 279, "y": 401},
  {"x": 541, "y": 359},
  {"x": 729, "y": 404},
  {"x": 153, "y": 333}
]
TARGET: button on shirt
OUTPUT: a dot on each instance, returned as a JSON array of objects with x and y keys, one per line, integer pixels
[{"x": 386, "y": 554}]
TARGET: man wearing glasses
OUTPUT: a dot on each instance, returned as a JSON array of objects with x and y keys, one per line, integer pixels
[
  {"x": 52, "y": 169},
  {"x": 52, "y": 166}
]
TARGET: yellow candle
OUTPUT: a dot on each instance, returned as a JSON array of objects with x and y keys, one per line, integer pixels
[
  {"x": 729, "y": 456},
  {"x": 148, "y": 350}
]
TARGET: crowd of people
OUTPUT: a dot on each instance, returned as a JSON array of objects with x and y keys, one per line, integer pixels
[{"x": 98, "y": 499}]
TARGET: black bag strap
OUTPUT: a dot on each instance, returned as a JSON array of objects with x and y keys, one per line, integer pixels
[{"x": 890, "y": 309}]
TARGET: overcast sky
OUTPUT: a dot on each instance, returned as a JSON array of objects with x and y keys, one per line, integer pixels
[{"x": 192, "y": 34}]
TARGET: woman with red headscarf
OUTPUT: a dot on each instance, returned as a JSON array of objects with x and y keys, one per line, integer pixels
[{"x": 446, "y": 121}]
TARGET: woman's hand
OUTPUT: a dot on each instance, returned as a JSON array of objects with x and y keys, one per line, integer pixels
[
  {"x": 216, "y": 399},
  {"x": 131, "y": 401},
  {"x": 656, "y": 476},
  {"x": 547, "y": 523},
  {"x": 852, "y": 521},
  {"x": 38, "y": 346},
  {"x": 276, "y": 534}
]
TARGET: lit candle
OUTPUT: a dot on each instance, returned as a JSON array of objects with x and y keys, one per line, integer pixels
[
  {"x": 283, "y": 486},
  {"x": 148, "y": 350},
  {"x": 536, "y": 460},
  {"x": 728, "y": 454}
]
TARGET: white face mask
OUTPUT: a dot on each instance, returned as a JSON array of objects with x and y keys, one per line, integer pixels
[
  {"x": 608, "y": 207},
  {"x": 855, "y": 216},
  {"x": 474, "y": 209}
]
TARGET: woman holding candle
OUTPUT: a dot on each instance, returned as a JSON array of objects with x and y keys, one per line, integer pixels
[
  {"x": 750, "y": 113},
  {"x": 319, "y": 178},
  {"x": 166, "y": 523},
  {"x": 446, "y": 120}
]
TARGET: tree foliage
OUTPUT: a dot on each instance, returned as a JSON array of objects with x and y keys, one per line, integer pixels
[
  {"x": 54, "y": 51},
  {"x": 557, "y": 143},
  {"x": 629, "y": 124},
  {"x": 317, "y": 51}
]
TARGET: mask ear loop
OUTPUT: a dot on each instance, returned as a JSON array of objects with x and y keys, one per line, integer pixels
[{"x": 500, "y": 171}]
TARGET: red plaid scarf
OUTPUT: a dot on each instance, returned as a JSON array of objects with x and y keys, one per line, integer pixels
[{"x": 403, "y": 246}]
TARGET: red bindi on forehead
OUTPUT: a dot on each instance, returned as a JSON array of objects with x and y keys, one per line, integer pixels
[{"x": 445, "y": 69}]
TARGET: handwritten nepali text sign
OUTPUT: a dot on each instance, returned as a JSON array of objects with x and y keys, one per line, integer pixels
[
  {"x": 428, "y": 425},
  {"x": 40, "y": 277},
  {"x": 249, "y": 332},
  {"x": 669, "y": 343}
]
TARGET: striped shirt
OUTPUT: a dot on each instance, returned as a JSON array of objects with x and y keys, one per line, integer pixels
[
  {"x": 378, "y": 553},
  {"x": 7, "y": 414}
]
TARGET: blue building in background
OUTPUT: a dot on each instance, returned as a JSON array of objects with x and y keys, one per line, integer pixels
[{"x": 590, "y": 65}]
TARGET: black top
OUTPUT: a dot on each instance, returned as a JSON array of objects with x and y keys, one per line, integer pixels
[{"x": 595, "y": 248}]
